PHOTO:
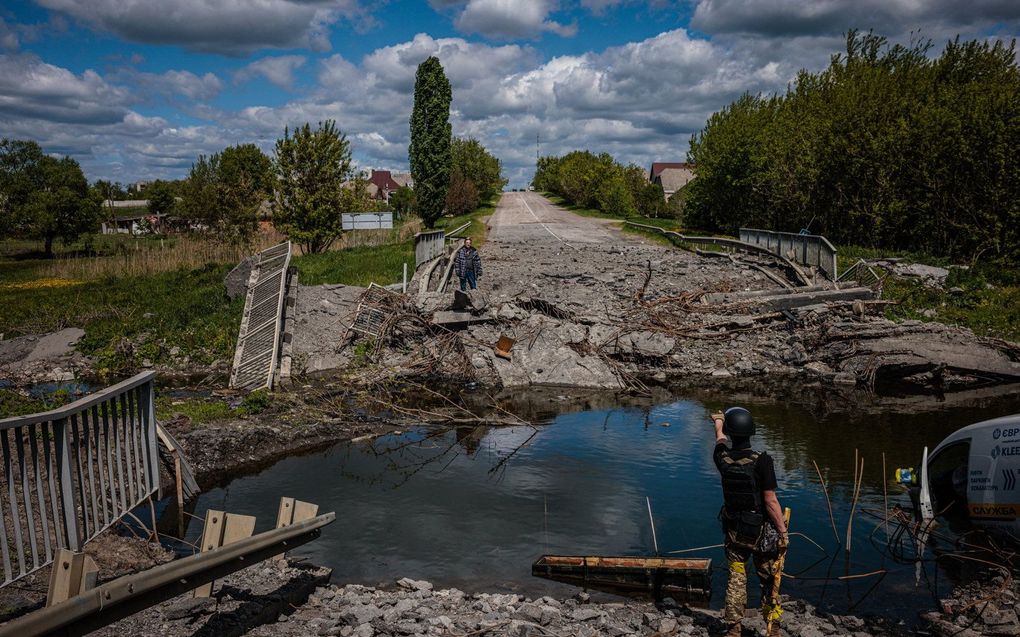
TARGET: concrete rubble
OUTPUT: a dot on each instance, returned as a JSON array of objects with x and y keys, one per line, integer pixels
[
  {"x": 279, "y": 599},
  {"x": 618, "y": 315},
  {"x": 42, "y": 357}
]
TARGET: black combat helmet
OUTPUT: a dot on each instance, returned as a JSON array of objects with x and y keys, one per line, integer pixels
[{"x": 738, "y": 422}]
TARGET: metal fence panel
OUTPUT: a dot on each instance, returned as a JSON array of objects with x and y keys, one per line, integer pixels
[
  {"x": 258, "y": 339},
  {"x": 806, "y": 249},
  {"x": 68, "y": 494},
  {"x": 367, "y": 220}
]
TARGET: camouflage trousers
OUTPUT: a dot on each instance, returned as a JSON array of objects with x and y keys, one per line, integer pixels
[{"x": 736, "y": 587}]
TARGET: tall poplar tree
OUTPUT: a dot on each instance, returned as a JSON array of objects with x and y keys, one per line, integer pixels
[{"x": 429, "y": 152}]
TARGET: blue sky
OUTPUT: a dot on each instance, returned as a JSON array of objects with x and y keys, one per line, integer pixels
[{"x": 137, "y": 89}]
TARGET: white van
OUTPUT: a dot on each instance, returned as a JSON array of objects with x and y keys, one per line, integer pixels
[{"x": 975, "y": 472}]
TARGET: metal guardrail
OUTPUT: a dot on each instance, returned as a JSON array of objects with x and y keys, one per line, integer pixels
[
  {"x": 126, "y": 595},
  {"x": 258, "y": 339},
  {"x": 723, "y": 242},
  {"x": 806, "y": 249},
  {"x": 428, "y": 246},
  {"x": 71, "y": 472},
  {"x": 432, "y": 244},
  {"x": 727, "y": 244},
  {"x": 455, "y": 233}
]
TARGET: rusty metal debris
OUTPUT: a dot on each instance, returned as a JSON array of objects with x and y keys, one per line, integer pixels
[{"x": 503, "y": 346}]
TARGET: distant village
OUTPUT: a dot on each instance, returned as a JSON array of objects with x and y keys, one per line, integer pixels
[{"x": 131, "y": 215}]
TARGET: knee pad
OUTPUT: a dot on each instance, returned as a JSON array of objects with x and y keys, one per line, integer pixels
[
  {"x": 738, "y": 567},
  {"x": 773, "y": 612}
]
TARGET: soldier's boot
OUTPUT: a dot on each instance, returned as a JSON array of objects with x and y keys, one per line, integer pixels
[
  {"x": 734, "y": 630},
  {"x": 773, "y": 630}
]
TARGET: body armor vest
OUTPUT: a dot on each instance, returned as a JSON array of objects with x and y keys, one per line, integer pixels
[{"x": 739, "y": 484}]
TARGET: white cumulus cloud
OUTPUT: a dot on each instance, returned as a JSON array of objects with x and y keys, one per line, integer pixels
[{"x": 279, "y": 70}]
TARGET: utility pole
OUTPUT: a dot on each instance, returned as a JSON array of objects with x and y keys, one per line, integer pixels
[{"x": 538, "y": 147}]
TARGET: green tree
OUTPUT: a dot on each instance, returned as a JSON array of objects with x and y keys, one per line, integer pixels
[
  {"x": 614, "y": 196},
  {"x": 162, "y": 200},
  {"x": 478, "y": 166},
  {"x": 226, "y": 191},
  {"x": 547, "y": 176},
  {"x": 311, "y": 168},
  {"x": 462, "y": 197},
  {"x": 42, "y": 197},
  {"x": 429, "y": 152},
  {"x": 887, "y": 147},
  {"x": 402, "y": 201}
]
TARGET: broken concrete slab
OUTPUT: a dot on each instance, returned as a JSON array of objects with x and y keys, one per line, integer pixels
[
  {"x": 474, "y": 301},
  {"x": 909, "y": 354},
  {"x": 452, "y": 319},
  {"x": 42, "y": 357}
]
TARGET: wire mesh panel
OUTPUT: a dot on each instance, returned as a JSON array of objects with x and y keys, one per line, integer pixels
[
  {"x": 258, "y": 340},
  {"x": 70, "y": 473}
]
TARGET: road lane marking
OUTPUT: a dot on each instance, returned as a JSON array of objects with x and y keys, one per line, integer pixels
[{"x": 525, "y": 200}]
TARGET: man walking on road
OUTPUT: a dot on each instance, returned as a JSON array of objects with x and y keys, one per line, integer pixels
[
  {"x": 468, "y": 265},
  {"x": 751, "y": 517}
]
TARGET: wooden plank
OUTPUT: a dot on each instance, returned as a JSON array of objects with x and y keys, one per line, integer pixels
[
  {"x": 65, "y": 576},
  {"x": 212, "y": 538},
  {"x": 304, "y": 511},
  {"x": 285, "y": 516},
  {"x": 237, "y": 527}
]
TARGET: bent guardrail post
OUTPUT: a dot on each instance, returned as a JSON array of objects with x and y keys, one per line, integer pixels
[{"x": 127, "y": 595}]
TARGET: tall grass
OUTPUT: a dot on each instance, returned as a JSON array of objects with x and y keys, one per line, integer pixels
[{"x": 154, "y": 255}]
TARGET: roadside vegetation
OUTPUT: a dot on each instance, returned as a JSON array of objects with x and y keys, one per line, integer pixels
[
  {"x": 476, "y": 229},
  {"x": 599, "y": 184},
  {"x": 161, "y": 317},
  {"x": 889, "y": 147},
  {"x": 200, "y": 411}
]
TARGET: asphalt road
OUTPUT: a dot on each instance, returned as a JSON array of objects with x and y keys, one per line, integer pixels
[{"x": 528, "y": 217}]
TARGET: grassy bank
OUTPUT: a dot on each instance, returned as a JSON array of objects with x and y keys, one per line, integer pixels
[
  {"x": 127, "y": 319},
  {"x": 382, "y": 264},
  {"x": 476, "y": 229}
]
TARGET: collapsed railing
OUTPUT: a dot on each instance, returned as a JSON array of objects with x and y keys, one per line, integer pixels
[
  {"x": 806, "y": 249},
  {"x": 727, "y": 243},
  {"x": 258, "y": 340},
  {"x": 71, "y": 472}
]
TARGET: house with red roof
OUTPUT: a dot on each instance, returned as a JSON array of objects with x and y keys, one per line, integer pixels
[
  {"x": 386, "y": 183},
  {"x": 672, "y": 176}
]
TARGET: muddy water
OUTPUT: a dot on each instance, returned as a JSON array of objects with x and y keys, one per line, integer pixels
[{"x": 473, "y": 508}]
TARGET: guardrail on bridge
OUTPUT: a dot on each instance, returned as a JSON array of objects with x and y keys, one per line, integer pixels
[
  {"x": 258, "y": 339},
  {"x": 432, "y": 244},
  {"x": 428, "y": 246},
  {"x": 71, "y": 472},
  {"x": 806, "y": 249}
]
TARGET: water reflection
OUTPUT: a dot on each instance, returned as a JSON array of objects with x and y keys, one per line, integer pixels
[{"x": 474, "y": 506}]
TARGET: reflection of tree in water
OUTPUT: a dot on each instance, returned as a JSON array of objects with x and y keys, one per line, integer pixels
[{"x": 435, "y": 449}]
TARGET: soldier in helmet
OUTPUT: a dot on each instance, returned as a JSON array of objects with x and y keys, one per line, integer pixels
[{"x": 751, "y": 517}]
